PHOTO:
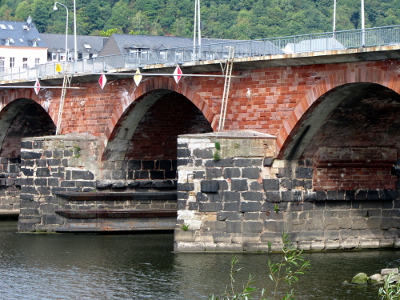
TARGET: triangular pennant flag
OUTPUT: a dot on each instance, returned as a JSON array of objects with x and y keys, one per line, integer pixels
[
  {"x": 177, "y": 74},
  {"x": 36, "y": 86},
  {"x": 137, "y": 78},
  {"x": 58, "y": 68},
  {"x": 102, "y": 81}
]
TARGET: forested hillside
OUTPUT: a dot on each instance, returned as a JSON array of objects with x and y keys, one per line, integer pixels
[{"x": 233, "y": 19}]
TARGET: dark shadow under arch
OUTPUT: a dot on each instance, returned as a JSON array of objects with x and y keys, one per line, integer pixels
[
  {"x": 148, "y": 129},
  {"x": 22, "y": 118},
  {"x": 351, "y": 115}
]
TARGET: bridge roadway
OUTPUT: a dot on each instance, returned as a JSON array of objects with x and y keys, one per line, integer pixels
[{"x": 326, "y": 123}]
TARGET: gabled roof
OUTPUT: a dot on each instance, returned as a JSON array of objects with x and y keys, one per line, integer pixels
[
  {"x": 121, "y": 43},
  {"x": 20, "y": 34},
  {"x": 85, "y": 43},
  {"x": 322, "y": 44}
]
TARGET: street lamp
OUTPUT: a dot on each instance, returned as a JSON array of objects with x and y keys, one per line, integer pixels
[
  {"x": 75, "y": 47},
  {"x": 66, "y": 27}
]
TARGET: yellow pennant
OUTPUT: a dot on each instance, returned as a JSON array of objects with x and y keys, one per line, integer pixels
[
  {"x": 137, "y": 78},
  {"x": 58, "y": 68}
]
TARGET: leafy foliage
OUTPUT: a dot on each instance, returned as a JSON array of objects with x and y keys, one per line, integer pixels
[
  {"x": 286, "y": 271},
  {"x": 234, "y": 19},
  {"x": 391, "y": 288}
]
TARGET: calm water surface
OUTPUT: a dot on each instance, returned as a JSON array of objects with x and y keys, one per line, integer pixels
[{"x": 144, "y": 266}]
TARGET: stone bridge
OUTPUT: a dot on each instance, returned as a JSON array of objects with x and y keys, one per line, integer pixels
[{"x": 310, "y": 147}]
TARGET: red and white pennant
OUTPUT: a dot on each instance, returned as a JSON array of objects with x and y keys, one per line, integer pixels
[
  {"x": 177, "y": 74},
  {"x": 36, "y": 86}
]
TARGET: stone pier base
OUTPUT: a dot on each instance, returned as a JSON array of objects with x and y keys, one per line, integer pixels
[{"x": 234, "y": 195}]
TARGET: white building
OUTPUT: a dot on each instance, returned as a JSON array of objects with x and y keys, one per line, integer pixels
[
  {"x": 314, "y": 45},
  {"x": 20, "y": 46}
]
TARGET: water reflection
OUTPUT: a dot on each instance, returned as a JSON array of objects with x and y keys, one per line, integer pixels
[{"x": 144, "y": 266}]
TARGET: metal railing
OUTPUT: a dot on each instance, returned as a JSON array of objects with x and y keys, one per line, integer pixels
[{"x": 340, "y": 40}]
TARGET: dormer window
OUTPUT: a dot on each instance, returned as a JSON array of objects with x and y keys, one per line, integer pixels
[
  {"x": 8, "y": 41},
  {"x": 25, "y": 27},
  {"x": 34, "y": 42}
]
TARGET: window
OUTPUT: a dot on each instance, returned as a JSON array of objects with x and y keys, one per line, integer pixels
[
  {"x": 25, "y": 62},
  {"x": 2, "y": 26},
  {"x": 37, "y": 61},
  {"x": 2, "y": 59},
  {"x": 144, "y": 55},
  {"x": 54, "y": 56},
  {"x": 178, "y": 56},
  {"x": 10, "y": 27},
  {"x": 163, "y": 55},
  {"x": 87, "y": 46},
  {"x": 12, "y": 62}
]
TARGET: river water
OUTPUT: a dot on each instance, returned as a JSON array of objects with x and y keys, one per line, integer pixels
[{"x": 144, "y": 266}]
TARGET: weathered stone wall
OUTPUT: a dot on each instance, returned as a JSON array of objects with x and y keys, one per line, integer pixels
[
  {"x": 244, "y": 200},
  {"x": 10, "y": 185},
  {"x": 65, "y": 187},
  {"x": 135, "y": 169},
  {"x": 51, "y": 165}
]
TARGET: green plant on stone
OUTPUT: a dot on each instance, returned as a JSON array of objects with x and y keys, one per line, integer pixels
[
  {"x": 216, "y": 156},
  {"x": 391, "y": 288},
  {"x": 276, "y": 208},
  {"x": 217, "y": 145},
  {"x": 287, "y": 270},
  {"x": 78, "y": 150},
  {"x": 185, "y": 227}
]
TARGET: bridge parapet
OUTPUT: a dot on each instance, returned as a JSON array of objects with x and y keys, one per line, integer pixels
[{"x": 214, "y": 53}]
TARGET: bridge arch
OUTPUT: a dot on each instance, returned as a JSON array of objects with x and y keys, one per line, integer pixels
[
  {"x": 323, "y": 99},
  {"x": 22, "y": 118},
  {"x": 148, "y": 128},
  {"x": 157, "y": 84}
]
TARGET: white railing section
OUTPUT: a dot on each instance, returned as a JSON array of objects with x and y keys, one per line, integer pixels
[{"x": 340, "y": 40}]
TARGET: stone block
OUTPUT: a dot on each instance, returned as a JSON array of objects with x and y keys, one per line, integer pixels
[
  {"x": 222, "y": 238},
  {"x": 185, "y": 186},
  {"x": 209, "y": 186},
  {"x": 250, "y": 206},
  {"x": 222, "y": 163},
  {"x": 274, "y": 196},
  {"x": 203, "y": 153},
  {"x": 210, "y": 207},
  {"x": 198, "y": 174},
  {"x": 268, "y": 162},
  {"x": 213, "y": 173},
  {"x": 183, "y": 152},
  {"x": 227, "y": 215},
  {"x": 231, "y": 173},
  {"x": 271, "y": 184},
  {"x": 253, "y": 227},
  {"x": 254, "y": 216},
  {"x": 253, "y": 196},
  {"x": 304, "y": 173},
  {"x": 234, "y": 226},
  {"x": 231, "y": 206},
  {"x": 332, "y": 245},
  {"x": 25, "y": 155},
  {"x": 255, "y": 186},
  {"x": 239, "y": 185},
  {"x": 251, "y": 173},
  {"x": 231, "y": 196}
]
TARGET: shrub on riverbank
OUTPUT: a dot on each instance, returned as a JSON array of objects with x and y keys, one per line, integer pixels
[{"x": 287, "y": 270}]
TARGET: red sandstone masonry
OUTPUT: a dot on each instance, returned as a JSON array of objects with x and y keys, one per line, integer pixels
[{"x": 280, "y": 97}]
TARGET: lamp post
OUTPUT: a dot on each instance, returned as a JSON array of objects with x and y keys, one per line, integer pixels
[
  {"x": 66, "y": 28},
  {"x": 75, "y": 46}
]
